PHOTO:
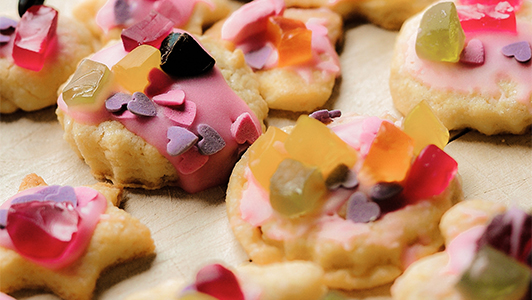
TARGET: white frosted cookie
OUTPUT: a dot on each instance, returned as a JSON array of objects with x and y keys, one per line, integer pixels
[
  {"x": 291, "y": 50},
  {"x": 340, "y": 196},
  {"x": 31, "y": 82},
  {"x": 197, "y": 125},
  {"x": 478, "y": 83},
  {"x": 479, "y": 235},
  {"x": 282, "y": 281},
  {"x": 60, "y": 238},
  {"x": 389, "y": 14}
]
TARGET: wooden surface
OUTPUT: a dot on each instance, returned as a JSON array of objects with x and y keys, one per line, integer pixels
[{"x": 192, "y": 230}]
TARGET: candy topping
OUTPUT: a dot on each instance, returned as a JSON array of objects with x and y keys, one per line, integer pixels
[
  {"x": 7, "y": 28},
  {"x": 495, "y": 16},
  {"x": 360, "y": 209},
  {"x": 87, "y": 85},
  {"x": 211, "y": 142},
  {"x": 170, "y": 98},
  {"x": 325, "y": 116},
  {"x": 132, "y": 70},
  {"x": 181, "y": 140},
  {"x": 122, "y": 11},
  {"x": 117, "y": 102},
  {"x": 181, "y": 55},
  {"x": 217, "y": 281},
  {"x": 520, "y": 51},
  {"x": 425, "y": 128},
  {"x": 150, "y": 31},
  {"x": 243, "y": 129},
  {"x": 141, "y": 105},
  {"x": 473, "y": 53},
  {"x": 24, "y": 5}
]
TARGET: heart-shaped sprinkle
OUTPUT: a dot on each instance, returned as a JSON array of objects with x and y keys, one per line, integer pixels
[
  {"x": 383, "y": 191},
  {"x": 184, "y": 115},
  {"x": 117, "y": 102},
  {"x": 192, "y": 161},
  {"x": 7, "y": 24},
  {"x": 141, "y": 105},
  {"x": 243, "y": 129},
  {"x": 211, "y": 142},
  {"x": 257, "y": 59},
  {"x": 520, "y": 51},
  {"x": 170, "y": 98},
  {"x": 54, "y": 193},
  {"x": 473, "y": 53},
  {"x": 360, "y": 210},
  {"x": 341, "y": 176},
  {"x": 335, "y": 113},
  {"x": 121, "y": 11},
  {"x": 181, "y": 140},
  {"x": 3, "y": 218},
  {"x": 325, "y": 116}
]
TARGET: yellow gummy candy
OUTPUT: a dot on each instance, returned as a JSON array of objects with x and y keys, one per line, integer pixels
[
  {"x": 266, "y": 154},
  {"x": 132, "y": 70},
  {"x": 315, "y": 144},
  {"x": 425, "y": 128},
  {"x": 390, "y": 155}
]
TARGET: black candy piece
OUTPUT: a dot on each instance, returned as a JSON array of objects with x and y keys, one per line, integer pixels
[
  {"x": 24, "y": 5},
  {"x": 182, "y": 56},
  {"x": 383, "y": 191}
]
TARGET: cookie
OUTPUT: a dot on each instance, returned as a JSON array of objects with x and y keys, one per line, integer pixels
[
  {"x": 107, "y": 18},
  {"x": 480, "y": 235},
  {"x": 475, "y": 83},
  {"x": 388, "y": 14},
  {"x": 29, "y": 74},
  {"x": 144, "y": 127},
  {"x": 75, "y": 233},
  {"x": 354, "y": 197},
  {"x": 292, "y": 51},
  {"x": 290, "y": 280}
]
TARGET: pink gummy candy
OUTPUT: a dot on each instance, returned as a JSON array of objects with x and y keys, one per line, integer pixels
[
  {"x": 217, "y": 281},
  {"x": 497, "y": 17},
  {"x": 33, "y": 37},
  {"x": 514, "y": 3},
  {"x": 149, "y": 31}
]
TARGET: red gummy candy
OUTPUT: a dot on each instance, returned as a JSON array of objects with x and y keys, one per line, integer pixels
[
  {"x": 489, "y": 17},
  {"x": 42, "y": 229},
  {"x": 430, "y": 174},
  {"x": 514, "y": 3},
  {"x": 34, "y": 36},
  {"x": 150, "y": 31},
  {"x": 217, "y": 281}
]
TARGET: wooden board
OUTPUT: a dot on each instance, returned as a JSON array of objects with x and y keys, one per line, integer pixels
[{"x": 192, "y": 230}]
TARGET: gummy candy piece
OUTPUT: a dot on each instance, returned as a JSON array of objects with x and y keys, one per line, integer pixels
[
  {"x": 440, "y": 36},
  {"x": 42, "y": 229},
  {"x": 34, "y": 36},
  {"x": 361, "y": 210},
  {"x": 149, "y": 31},
  {"x": 244, "y": 130},
  {"x": 211, "y": 142},
  {"x": 520, "y": 51},
  {"x": 295, "y": 189},
  {"x": 87, "y": 85},
  {"x": 390, "y": 155},
  {"x": 292, "y": 40},
  {"x": 219, "y": 282},
  {"x": 315, "y": 144},
  {"x": 24, "y": 5},
  {"x": 182, "y": 55},
  {"x": 431, "y": 173},
  {"x": 334, "y": 295},
  {"x": 132, "y": 70},
  {"x": 493, "y": 275},
  {"x": 383, "y": 191},
  {"x": 425, "y": 128},
  {"x": 513, "y": 3},
  {"x": 495, "y": 16},
  {"x": 473, "y": 53},
  {"x": 266, "y": 153},
  {"x": 181, "y": 139},
  {"x": 117, "y": 102},
  {"x": 193, "y": 295}
]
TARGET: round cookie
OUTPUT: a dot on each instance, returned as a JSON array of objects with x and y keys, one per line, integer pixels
[
  {"x": 198, "y": 125},
  {"x": 32, "y": 86},
  {"x": 60, "y": 238},
  {"x": 477, "y": 86},
  {"x": 388, "y": 14},
  {"x": 292, "y": 51},
  {"x": 442, "y": 275},
  {"x": 337, "y": 196}
]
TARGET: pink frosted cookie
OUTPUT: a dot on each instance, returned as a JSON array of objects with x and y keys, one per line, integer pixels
[
  {"x": 487, "y": 256},
  {"x": 356, "y": 197},
  {"x": 476, "y": 73},
  {"x": 33, "y": 64},
  {"x": 59, "y": 238},
  {"x": 172, "y": 117},
  {"x": 292, "y": 51},
  {"x": 282, "y": 281}
]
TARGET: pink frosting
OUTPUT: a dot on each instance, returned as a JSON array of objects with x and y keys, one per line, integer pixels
[
  {"x": 481, "y": 79},
  {"x": 462, "y": 249},
  {"x": 91, "y": 204},
  {"x": 208, "y": 100}
]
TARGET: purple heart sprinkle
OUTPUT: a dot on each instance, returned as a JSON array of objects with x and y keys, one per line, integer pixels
[
  {"x": 321, "y": 115},
  {"x": 142, "y": 105},
  {"x": 335, "y": 113},
  {"x": 520, "y": 51},
  {"x": 4, "y": 38},
  {"x": 117, "y": 102},
  {"x": 257, "y": 59},
  {"x": 63, "y": 194},
  {"x": 3, "y": 218},
  {"x": 7, "y": 23},
  {"x": 211, "y": 142},
  {"x": 181, "y": 140},
  {"x": 360, "y": 210},
  {"x": 121, "y": 11},
  {"x": 383, "y": 191},
  {"x": 37, "y": 196}
]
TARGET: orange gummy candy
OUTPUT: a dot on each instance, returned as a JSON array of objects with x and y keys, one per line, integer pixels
[
  {"x": 132, "y": 71},
  {"x": 292, "y": 39}
]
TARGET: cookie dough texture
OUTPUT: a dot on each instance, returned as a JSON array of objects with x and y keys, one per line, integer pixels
[
  {"x": 28, "y": 90},
  {"x": 377, "y": 256},
  {"x": 388, "y": 14},
  {"x": 118, "y": 237},
  {"x": 116, "y": 154},
  {"x": 489, "y": 114}
]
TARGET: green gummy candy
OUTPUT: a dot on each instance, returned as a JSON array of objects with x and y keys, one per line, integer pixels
[
  {"x": 440, "y": 36},
  {"x": 494, "y": 276},
  {"x": 88, "y": 81},
  {"x": 295, "y": 189}
]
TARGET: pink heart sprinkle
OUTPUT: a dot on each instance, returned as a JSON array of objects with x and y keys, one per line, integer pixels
[
  {"x": 142, "y": 105},
  {"x": 244, "y": 130},
  {"x": 520, "y": 51},
  {"x": 192, "y": 161},
  {"x": 170, "y": 98},
  {"x": 183, "y": 116},
  {"x": 181, "y": 140},
  {"x": 473, "y": 53}
]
